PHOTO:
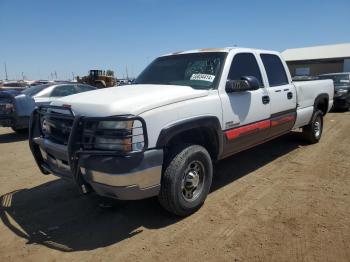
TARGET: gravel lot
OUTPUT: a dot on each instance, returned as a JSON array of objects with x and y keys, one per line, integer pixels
[{"x": 281, "y": 201}]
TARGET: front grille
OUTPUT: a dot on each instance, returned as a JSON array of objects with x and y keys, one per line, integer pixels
[
  {"x": 59, "y": 129},
  {"x": 5, "y": 100},
  {"x": 56, "y": 124},
  {"x": 3, "y": 110}
]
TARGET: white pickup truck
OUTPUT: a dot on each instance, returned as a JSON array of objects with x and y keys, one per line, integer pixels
[{"x": 186, "y": 110}]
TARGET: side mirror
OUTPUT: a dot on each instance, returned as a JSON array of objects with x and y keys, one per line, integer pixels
[{"x": 247, "y": 83}]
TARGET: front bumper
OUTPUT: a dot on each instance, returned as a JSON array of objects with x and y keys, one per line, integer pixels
[
  {"x": 14, "y": 121},
  {"x": 128, "y": 177},
  {"x": 6, "y": 121}
]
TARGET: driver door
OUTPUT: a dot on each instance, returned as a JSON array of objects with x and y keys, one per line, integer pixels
[{"x": 246, "y": 113}]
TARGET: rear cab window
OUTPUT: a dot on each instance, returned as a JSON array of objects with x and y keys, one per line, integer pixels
[{"x": 276, "y": 73}]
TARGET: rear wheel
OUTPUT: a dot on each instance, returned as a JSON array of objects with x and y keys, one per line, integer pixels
[
  {"x": 186, "y": 180},
  {"x": 313, "y": 131}
]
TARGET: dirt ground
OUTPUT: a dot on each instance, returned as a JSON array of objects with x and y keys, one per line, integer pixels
[{"x": 281, "y": 201}]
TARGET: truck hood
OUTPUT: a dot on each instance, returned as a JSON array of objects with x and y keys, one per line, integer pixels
[{"x": 129, "y": 99}]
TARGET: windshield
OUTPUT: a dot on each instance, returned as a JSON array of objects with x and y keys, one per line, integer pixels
[
  {"x": 341, "y": 79},
  {"x": 34, "y": 90},
  {"x": 198, "y": 70}
]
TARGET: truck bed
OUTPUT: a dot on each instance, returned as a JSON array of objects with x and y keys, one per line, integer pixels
[{"x": 307, "y": 92}]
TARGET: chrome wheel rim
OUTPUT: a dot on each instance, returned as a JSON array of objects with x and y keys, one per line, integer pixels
[
  {"x": 192, "y": 181},
  {"x": 317, "y": 127}
]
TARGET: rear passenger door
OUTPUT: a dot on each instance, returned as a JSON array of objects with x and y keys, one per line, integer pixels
[{"x": 282, "y": 95}]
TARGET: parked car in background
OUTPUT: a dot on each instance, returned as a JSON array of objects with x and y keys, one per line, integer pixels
[
  {"x": 14, "y": 85},
  {"x": 122, "y": 82},
  {"x": 341, "y": 89},
  {"x": 16, "y": 107},
  {"x": 40, "y": 82},
  {"x": 304, "y": 78}
]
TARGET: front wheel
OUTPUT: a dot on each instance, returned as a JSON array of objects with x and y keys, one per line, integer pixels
[
  {"x": 186, "y": 180},
  {"x": 20, "y": 131},
  {"x": 99, "y": 85},
  {"x": 313, "y": 131}
]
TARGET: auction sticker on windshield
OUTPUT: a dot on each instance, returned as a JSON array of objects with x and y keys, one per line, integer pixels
[{"x": 203, "y": 77}]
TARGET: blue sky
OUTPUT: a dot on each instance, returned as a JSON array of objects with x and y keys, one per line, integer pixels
[{"x": 39, "y": 37}]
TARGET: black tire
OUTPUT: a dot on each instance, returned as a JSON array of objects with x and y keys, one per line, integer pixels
[
  {"x": 313, "y": 131},
  {"x": 189, "y": 169},
  {"x": 99, "y": 85},
  {"x": 347, "y": 107},
  {"x": 20, "y": 131}
]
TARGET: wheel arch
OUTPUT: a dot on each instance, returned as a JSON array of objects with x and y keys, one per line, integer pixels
[
  {"x": 204, "y": 130},
  {"x": 322, "y": 103}
]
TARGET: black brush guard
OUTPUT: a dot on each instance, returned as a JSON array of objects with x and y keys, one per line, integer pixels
[{"x": 74, "y": 145}]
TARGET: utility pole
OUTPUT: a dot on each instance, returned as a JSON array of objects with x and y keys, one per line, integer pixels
[
  {"x": 22, "y": 76},
  {"x": 127, "y": 75},
  {"x": 6, "y": 72}
]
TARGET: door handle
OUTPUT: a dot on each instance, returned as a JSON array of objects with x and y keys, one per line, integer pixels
[
  {"x": 289, "y": 95},
  {"x": 265, "y": 100}
]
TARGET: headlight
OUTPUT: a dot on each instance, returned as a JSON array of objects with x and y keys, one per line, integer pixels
[
  {"x": 115, "y": 124},
  {"x": 125, "y": 136}
]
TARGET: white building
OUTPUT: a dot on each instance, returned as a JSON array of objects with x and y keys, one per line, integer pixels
[{"x": 317, "y": 60}]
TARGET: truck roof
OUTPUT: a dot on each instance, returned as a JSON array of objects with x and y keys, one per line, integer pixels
[{"x": 222, "y": 49}]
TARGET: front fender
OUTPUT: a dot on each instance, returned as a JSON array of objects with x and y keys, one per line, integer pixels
[{"x": 170, "y": 131}]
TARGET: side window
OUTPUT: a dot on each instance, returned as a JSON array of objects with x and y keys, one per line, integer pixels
[
  {"x": 85, "y": 88},
  {"x": 64, "y": 90},
  {"x": 244, "y": 64},
  {"x": 274, "y": 69}
]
